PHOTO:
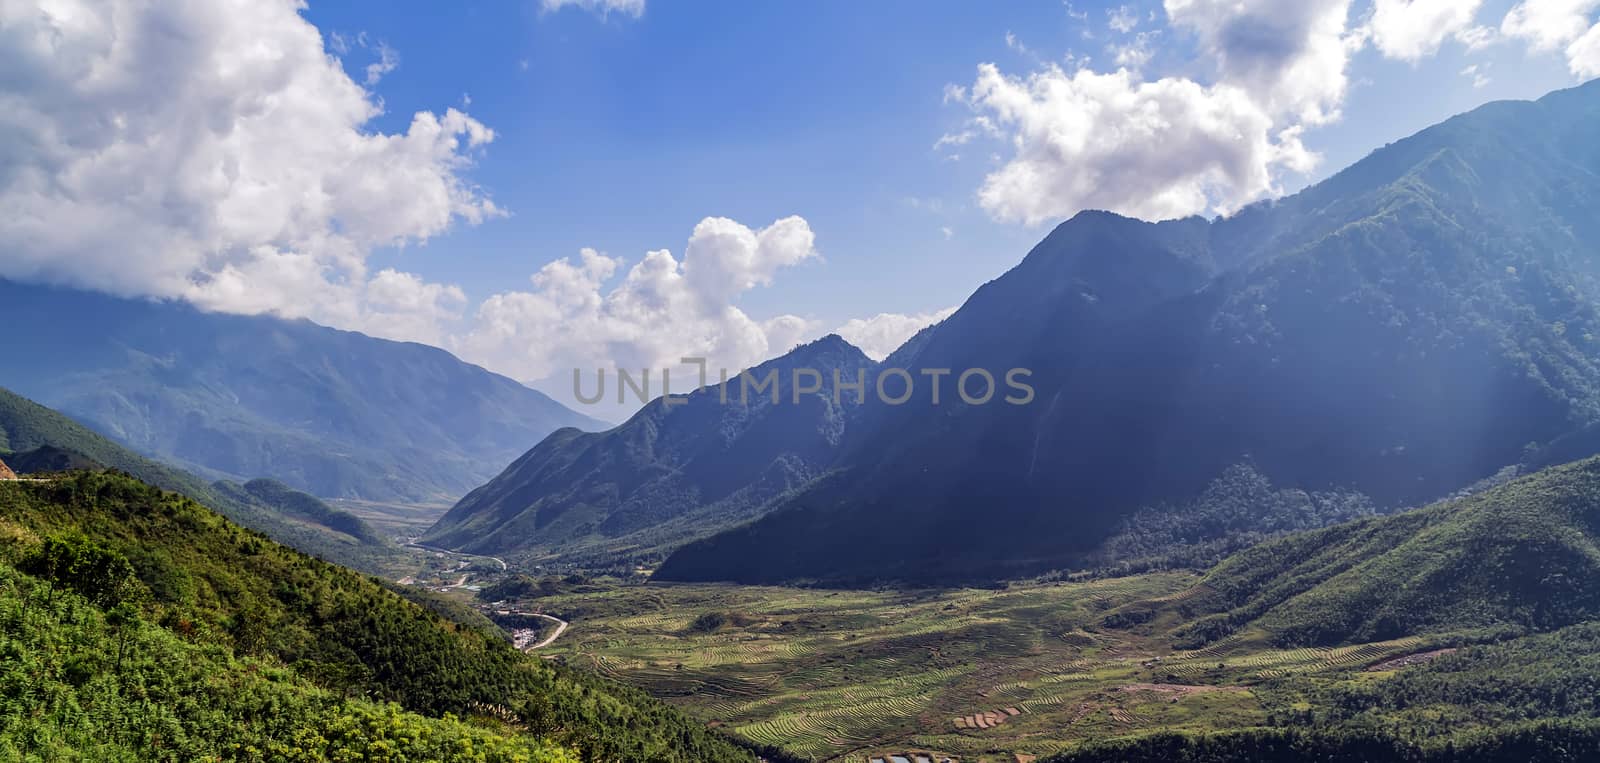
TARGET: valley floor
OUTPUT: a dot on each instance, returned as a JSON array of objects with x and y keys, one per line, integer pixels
[{"x": 975, "y": 675}]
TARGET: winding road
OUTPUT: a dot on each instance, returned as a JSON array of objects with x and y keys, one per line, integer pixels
[{"x": 561, "y": 626}]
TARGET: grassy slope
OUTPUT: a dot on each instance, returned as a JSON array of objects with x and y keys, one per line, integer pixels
[{"x": 232, "y": 591}]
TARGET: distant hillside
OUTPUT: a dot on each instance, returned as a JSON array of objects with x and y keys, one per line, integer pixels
[
  {"x": 668, "y": 475},
  {"x": 163, "y": 632},
  {"x": 333, "y": 413},
  {"x": 1524, "y": 555},
  {"x": 1408, "y": 327},
  {"x": 45, "y": 440}
]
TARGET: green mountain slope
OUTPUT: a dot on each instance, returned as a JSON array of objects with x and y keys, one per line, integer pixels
[
  {"x": 1523, "y": 556},
  {"x": 670, "y": 474},
  {"x": 176, "y": 630},
  {"x": 333, "y": 413},
  {"x": 1405, "y": 328},
  {"x": 46, "y": 439}
]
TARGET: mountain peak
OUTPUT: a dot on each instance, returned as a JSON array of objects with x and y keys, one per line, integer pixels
[{"x": 826, "y": 346}]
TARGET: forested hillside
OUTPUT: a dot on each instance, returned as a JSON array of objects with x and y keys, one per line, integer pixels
[
  {"x": 159, "y": 631},
  {"x": 1522, "y": 557}
]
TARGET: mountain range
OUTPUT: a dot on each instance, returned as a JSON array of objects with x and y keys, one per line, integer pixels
[
  {"x": 1405, "y": 328},
  {"x": 333, "y": 413},
  {"x": 1411, "y": 325}
]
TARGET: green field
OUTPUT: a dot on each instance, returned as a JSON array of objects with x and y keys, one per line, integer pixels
[{"x": 975, "y": 674}]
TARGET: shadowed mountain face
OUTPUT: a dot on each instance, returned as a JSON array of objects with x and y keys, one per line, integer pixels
[
  {"x": 330, "y": 412},
  {"x": 1403, "y": 329},
  {"x": 671, "y": 472}
]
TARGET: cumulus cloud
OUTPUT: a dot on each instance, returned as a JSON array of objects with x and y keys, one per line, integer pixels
[
  {"x": 1171, "y": 146},
  {"x": 1156, "y": 150},
  {"x": 883, "y": 333},
  {"x": 663, "y": 309},
  {"x": 1413, "y": 29},
  {"x": 634, "y": 8},
  {"x": 215, "y": 151},
  {"x": 1289, "y": 57},
  {"x": 1565, "y": 25}
]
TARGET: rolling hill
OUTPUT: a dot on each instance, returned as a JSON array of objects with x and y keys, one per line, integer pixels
[
  {"x": 1403, "y": 329},
  {"x": 332, "y": 413}
]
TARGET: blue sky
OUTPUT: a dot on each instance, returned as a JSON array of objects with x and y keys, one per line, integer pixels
[
  {"x": 405, "y": 168},
  {"x": 619, "y": 133}
]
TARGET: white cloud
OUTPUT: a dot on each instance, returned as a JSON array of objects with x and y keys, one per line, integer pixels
[
  {"x": 1122, "y": 18},
  {"x": 1565, "y": 25},
  {"x": 1289, "y": 57},
  {"x": 1478, "y": 74},
  {"x": 1548, "y": 24},
  {"x": 1476, "y": 37},
  {"x": 388, "y": 61},
  {"x": 1171, "y": 146},
  {"x": 1158, "y": 149},
  {"x": 634, "y": 8},
  {"x": 663, "y": 309},
  {"x": 1583, "y": 55},
  {"x": 216, "y": 152},
  {"x": 1413, "y": 29},
  {"x": 883, "y": 333},
  {"x": 1135, "y": 54}
]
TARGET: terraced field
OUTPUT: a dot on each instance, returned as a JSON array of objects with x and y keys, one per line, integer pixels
[{"x": 973, "y": 675}]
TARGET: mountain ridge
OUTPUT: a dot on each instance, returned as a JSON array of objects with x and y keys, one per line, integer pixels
[{"x": 334, "y": 413}]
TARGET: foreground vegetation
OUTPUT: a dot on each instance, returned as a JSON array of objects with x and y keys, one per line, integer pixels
[{"x": 137, "y": 625}]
